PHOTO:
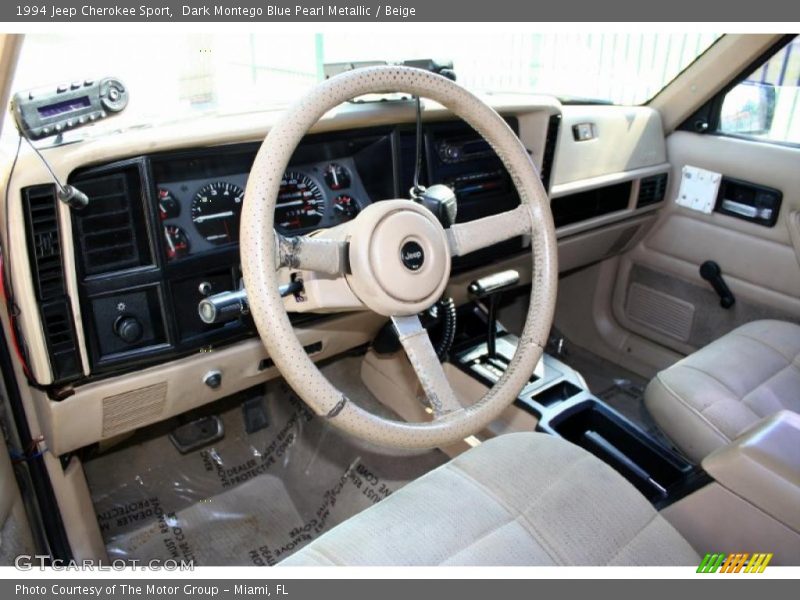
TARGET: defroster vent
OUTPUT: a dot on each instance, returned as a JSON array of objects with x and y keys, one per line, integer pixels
[{"x": 44, "y": 247}]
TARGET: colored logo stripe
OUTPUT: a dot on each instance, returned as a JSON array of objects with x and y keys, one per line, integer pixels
[
  {"x": 710, "y": 563},
  {"x": 758, "y": 563},
  {"x": 734, "y": 563}
]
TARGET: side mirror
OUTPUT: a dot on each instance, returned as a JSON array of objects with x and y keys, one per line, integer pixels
[{"x": 748, "y": 109}]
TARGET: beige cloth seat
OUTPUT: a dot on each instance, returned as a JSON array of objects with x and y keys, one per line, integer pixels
[
  {"x": 712, "y": 396},
  {"x": 518, "y": 499}
]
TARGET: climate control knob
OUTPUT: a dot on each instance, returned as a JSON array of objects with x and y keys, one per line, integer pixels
[{"x": 128, "y": 329}]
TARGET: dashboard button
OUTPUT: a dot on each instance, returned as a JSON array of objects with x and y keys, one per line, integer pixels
[
  {"x": 213, "y": 379},
  {"x": 128, "y": 329}
]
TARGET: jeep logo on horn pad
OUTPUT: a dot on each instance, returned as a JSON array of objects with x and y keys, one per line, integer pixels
[{"x": 412, "y": 256}]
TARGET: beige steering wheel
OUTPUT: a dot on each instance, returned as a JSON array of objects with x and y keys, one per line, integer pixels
[{"x": 370, "y": 257}]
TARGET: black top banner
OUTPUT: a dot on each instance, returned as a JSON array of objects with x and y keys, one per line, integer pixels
[{"x": 397, "y": 11}]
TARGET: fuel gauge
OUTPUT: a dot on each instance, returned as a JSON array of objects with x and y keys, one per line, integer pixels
[
  {"x": 337, "y": 177},
  {"x": 177, "y": 242}
]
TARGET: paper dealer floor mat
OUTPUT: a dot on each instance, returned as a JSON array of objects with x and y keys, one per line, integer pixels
[{"x": 247, "y": 499}]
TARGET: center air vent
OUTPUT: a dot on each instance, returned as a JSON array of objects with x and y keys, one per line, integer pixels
[
  {"x": 111, "y": 231},
  {"x": 44, "y": 247},
  {"x": 652, "y": 190}
]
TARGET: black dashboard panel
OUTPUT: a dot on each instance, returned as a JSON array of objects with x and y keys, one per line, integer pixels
[
  {"x": 199, "y": 197},
  {"x": 458, "y": 157},
  {"x": 139, "y": 296}
]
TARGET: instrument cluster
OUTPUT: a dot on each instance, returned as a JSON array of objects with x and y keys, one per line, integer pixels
[{"x": 198, "y": 215}]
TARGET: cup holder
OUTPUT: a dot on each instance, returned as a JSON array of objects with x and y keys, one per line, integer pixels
[
  {"x": 563, "y": 390},
  {"x": 650, "y": 467}
]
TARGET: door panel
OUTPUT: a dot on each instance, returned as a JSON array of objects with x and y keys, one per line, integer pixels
[
  {"x": 659, "y": 293},
  {"x": 15, "y": 534}
]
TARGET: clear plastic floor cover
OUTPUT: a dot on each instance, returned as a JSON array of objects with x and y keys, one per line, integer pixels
[{"x": 248, "y": 499}]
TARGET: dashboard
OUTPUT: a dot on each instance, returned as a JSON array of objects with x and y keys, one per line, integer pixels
[
  {"x": 115, "y": 286},
  {"x": 161, "y": 230},
  {"x": 108, "y": 321}
]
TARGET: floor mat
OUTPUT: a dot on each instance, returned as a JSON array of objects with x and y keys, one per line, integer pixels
[
  {"x": 248, "y": 498},
  {"x": 621, "y": 389}
]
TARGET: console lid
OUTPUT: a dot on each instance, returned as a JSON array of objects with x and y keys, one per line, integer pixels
[{"x": 762, "y": 466}]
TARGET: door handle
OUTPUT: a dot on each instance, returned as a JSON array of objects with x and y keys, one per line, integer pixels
[{"x": 748, "y": 211}]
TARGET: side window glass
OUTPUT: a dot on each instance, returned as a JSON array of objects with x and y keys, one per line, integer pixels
[{"x": 766, "y": 105}]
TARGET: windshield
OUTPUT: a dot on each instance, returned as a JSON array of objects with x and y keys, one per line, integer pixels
[{"x": 171, "y": 76}]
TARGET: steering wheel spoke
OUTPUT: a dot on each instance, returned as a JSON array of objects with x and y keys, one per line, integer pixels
[
  {"x": 464, "y": 238},
  {"x": 322, "y": 255},
  {"x": 414, "y": 338}
]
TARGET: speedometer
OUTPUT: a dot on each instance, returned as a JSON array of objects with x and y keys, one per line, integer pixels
[
  {"x": 216, "y": 209},
  {"x": 300, "y": 202}
]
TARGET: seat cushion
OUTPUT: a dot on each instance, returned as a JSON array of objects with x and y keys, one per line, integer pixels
[
  {"x": 712, "y": 396},
  {"x": 518, "y": 499}
]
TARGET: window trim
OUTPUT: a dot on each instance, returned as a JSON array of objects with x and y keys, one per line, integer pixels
[
  {"x": 666, "y": 84},
  {"x": 706, "y": 119}
]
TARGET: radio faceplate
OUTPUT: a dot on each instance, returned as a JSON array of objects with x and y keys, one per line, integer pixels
[
  {"x": 463, "y": 149},
  {"x": 47, "y": 111}
]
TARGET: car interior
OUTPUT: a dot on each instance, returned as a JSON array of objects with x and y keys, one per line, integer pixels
[{"x": 400, "y": 321}]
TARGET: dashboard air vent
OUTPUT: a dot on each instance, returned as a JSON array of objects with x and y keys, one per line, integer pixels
[
  {"x": 111, "y": 231},
  {"x": 41, "y": 215},
  {"x": 549, "y": 155},
  {"x": 40, "y": 206},
  {"x": 652, "y": 190},
  {"x": 596, "y": 202}
]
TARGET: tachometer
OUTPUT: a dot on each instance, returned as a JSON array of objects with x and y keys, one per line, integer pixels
[
  {"x": 300, "y": 202},
  {"x": 216, "y": 209}
]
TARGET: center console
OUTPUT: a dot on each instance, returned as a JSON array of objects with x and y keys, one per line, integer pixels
[{"x": 560, "y": 399}]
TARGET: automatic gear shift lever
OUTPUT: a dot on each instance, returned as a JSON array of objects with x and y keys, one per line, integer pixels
[{"x": 489, "y": 288}]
